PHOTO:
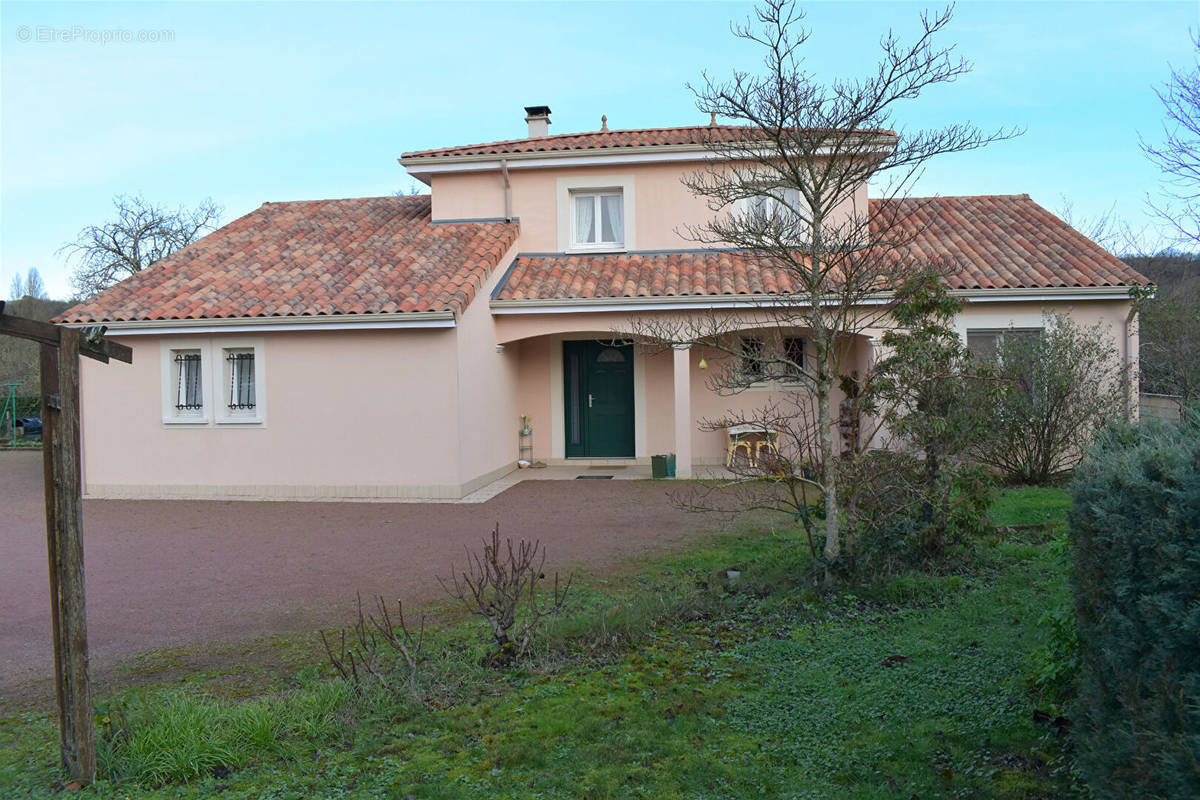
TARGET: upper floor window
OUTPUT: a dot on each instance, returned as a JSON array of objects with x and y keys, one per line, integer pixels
[
  {"x": 778, "y": 206},
  {"x": 598, "y": 219}
]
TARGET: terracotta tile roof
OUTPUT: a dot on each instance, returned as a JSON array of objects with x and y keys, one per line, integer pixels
[
  {"x": 358, "y": 256},
  {"x": 1006, "y": 242},
  {"x": 996, "y": 242},
  {"x": 594, "y": 140}
]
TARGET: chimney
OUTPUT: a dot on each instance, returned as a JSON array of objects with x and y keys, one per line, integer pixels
[{"x": 538, "y": 118}]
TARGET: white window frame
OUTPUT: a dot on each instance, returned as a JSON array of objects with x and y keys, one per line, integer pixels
[
  {"x": 774, "y": 202},
  {"x": 215, "y": 377},
  {"x": 597, "y": 197},
  {"x": 170, "y": 382},
  {"x": 567, "y": 188},
  {"x": 999, "y": 333},
  {"x": 221, "y": 377}
]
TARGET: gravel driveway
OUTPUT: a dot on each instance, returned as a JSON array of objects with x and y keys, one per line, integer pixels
[{"x": 175, "y": 573}]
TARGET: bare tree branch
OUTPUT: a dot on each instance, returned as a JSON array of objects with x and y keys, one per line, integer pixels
[
  {"x": 141, "y": 234},
  {"x": 791, "y": 195},
  {"x": 1178, "y": 156}
]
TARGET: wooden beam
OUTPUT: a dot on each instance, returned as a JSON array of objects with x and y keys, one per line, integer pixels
[
  {"x": 92, "y": 344},
  {"x": 64, "y": 540}
]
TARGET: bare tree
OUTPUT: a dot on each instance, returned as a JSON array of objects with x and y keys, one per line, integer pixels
[
  {"x": 1178, "y": 156},
  {"x": 32, "y": 286},
  {"x": 141, "y": 234},
  {"x": 790, "y": 193},
  {"x": 1105, "y": 229}
]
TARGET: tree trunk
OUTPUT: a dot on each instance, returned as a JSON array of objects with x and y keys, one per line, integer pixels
[{"x": 833, "y": 544}]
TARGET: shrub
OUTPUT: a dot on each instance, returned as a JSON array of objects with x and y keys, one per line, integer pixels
[
  {"x": 1136, "y": 547},
  {"x": 500, "y": 584},
  {"x": 1059, "y": 387},
  {"x": 903, "y": 520},
  {"x": 375, "y": 645}
]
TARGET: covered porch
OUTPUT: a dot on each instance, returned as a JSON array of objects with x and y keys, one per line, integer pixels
[{"x": 598, "y": 401}]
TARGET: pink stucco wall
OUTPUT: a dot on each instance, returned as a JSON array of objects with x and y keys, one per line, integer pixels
[
  {"x": 486, "y": 385},
  {"x": 348, "y": 413},
  {"x": 663, "y": 205}
]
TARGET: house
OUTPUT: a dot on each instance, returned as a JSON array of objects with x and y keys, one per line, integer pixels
[{"x": 388, "y": 346}]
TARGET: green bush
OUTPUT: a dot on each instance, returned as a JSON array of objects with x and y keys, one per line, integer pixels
[
  {"x": 1135, "y": 536},
  {"x": 905, "y": 519}
]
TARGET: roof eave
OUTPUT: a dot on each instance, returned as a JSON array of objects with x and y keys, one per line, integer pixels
[
  {"x": 704, "y": 302},
  {"x": 323, "y": 322},
  {"x": 421, "y": 166}
]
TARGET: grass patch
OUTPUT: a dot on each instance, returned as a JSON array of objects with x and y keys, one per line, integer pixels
[{"x": 666, "y": 681}]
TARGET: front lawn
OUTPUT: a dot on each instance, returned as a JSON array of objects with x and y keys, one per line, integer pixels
[{"x": 665, "y": 682}]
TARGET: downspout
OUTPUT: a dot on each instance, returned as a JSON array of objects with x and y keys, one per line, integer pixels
[
  {"x": 1128, "y": 375},
  {"x": 507, "y": 190}
]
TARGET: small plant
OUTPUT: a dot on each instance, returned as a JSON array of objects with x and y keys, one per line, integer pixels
[
  {"x": 501, "y": 585},
  {"x": 372, "y": 638}
]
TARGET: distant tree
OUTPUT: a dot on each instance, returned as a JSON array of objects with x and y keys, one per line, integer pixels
[
  {"x": 1178, "y": 155},
  {"x": 18, "y": 357},
  {"x": 1169, "y": 325},
  {"x": 141, "y": 234},
  {"x": 1104, "y": 229},
  {"x": 1170, "y": 347},
  {"x": 32, "y": 286}
]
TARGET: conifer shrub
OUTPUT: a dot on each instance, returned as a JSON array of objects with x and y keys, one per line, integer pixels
[{"x": 1135, "y": 538}]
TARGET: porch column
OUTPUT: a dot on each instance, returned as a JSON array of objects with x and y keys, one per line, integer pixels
[{"x": 683, "y": 411}]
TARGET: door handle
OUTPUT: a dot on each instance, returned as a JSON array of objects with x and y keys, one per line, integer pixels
[{"x": 590, "y": 398}]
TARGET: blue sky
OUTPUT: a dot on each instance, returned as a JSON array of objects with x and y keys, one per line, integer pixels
[{"x": 252, "y": 102}]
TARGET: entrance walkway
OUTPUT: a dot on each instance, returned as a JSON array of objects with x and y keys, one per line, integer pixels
[{"x": 583, "y": 473}]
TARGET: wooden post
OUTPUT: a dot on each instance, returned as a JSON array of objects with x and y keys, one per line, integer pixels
[
  {"x": 60, "y": 351},
  {"x": 64, "y": 546}
]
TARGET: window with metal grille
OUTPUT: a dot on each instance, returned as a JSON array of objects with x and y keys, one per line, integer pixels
[
  {"x": 752, "y": 358},
  {"x": 189, "y": 392},
  {"x": 793, "y": 351},
  {"x": 241, "y": 380}
]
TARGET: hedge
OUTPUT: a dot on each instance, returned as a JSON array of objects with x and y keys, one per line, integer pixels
[{"x": 1135, "y": 540}]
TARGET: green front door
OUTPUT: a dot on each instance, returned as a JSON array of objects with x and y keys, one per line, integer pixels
[{"x": 598, "y": 393}]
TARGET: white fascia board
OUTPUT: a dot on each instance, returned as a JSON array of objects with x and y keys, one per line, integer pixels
[
  {"x": 686, "y": 302},
  {"x": 419, "y": 167},
  {"x": 706, "y": 302},
  {"x": 423, "y": 167},
  {"x": 333, "y": 322},
  {"x": 1044, "y": 295}
]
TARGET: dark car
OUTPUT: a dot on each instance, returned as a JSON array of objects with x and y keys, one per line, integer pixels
[{"x": 30, "y": 427}]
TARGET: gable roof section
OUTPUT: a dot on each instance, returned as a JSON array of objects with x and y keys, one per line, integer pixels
[
  {"x": 374, "y": 255},
  {"x": 695, "y": 135},
  {"x": 996, "y": 242}
]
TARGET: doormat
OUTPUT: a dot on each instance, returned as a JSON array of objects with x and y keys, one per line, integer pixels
[{"x": 593, "y": 477}]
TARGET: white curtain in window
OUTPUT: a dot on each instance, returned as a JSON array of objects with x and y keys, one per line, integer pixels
[
  {"x": 612, "y": 218},
  {"x": 585, "y": 219}
]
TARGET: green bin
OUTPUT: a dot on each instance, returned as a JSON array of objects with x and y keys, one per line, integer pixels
[
  {"x": 671, "y": 466},
  {"x": 658, "y": 467}
]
